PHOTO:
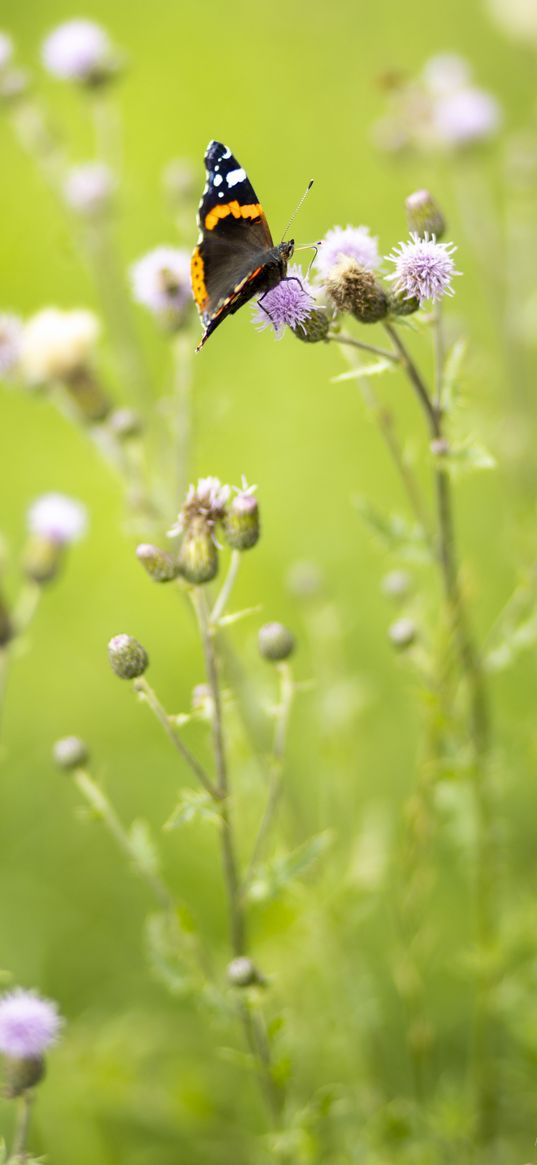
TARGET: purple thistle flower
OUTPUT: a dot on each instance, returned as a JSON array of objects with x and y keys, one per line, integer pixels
[
  {"x": 78, "y": 50},
  {"x": 445, "y": 73},
  {"x": 161, "y": 282},
  {"x": 287, "y": 305},
  {"x": 57, "y": 518},
  {"x": 10, "y": 343},
  {"x": 347, "y": 243},
  {"x": 6, "y": 50},
  {"x": 466, "y": 116},
  {"x": 28, "y": 1024},
  {"x": 88, "y": 188},
  {"x": 423, "y": 268}
]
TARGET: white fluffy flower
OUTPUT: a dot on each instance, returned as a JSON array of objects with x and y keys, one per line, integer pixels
[
  {"x": 78, "y": 50},
  {"x": 88, "y": 188},
  {"x": 6, "y": 50},
  {"x": 57, "y": 518},
  {"x": 56, "y": 344},
  {"x": 161, "y": 282},
  {"x": 445, "y": 73},
  {"x": 516, "y": 18},
  {"x": 10, "y": 343},
  {"x": 466, "y": 116},
  {"x": 347, "y": 242}
]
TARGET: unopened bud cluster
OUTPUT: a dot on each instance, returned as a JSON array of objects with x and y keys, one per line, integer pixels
[{"x": 208, "y": 511}]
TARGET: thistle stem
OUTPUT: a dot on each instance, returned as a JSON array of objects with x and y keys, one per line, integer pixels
[
  {"x": 229, "y": 582},
  {"x": 287, "y": 691},
  {"x": 22, "y": 1125},
  {"x": 339, "y": 338},
  {"x": 151, "y": 699}
]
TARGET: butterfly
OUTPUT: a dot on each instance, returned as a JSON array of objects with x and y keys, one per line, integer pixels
[{"x": 235, "y": 257}]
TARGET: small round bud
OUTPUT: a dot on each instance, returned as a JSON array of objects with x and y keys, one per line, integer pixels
[
  {"x": 241, "y": 972},
  {"x": 241, "y": 522},
  {"x": 314, "y": 328},
  {"x": 70, "y": 752},
  {"x": 275, "y": 642},
  {"x": 127, "y": 657},
  {"x": 401, "y": 304},
  {"x": 354, "y": 289},
  {"x": 42, "y": 559},
  {"x": 125, "y": 424},
  {"x": 198, "y": 556},
  {"x": 158, "y": 564},
  {"x": 439, "y": 447},
  {"x": 22, "y": 1075},
  {"x": 402, "y": 633},
  {"x": 396, "y": 584},
  {"x": 424, "y": 216},
  {"x": 305, "y": 580}
]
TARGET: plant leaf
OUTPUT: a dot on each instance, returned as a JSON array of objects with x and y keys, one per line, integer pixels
[
  {"x": 277, "y": 874},
  {"x": 193, "y": 805}
]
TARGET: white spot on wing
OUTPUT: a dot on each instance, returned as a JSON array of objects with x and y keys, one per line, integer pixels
[
  {"x": 235, "y": 176},
  {"x": 227, "y": 154},
  {"x": 217, "y": 180}
]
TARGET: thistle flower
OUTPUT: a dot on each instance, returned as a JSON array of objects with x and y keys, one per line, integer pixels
[
  {"x": 56, "y": 344},
  {"x": 466, "y": 117},
  {"x": 58, "y": 519},
  {"x": 207, "y": 500},
  {"x": 160, "y": 281},
  {"x": 80, "y": 51},
  {"x": 347, "y": 242},
  {"x": 28, "y": 1024},
  {"x": 423, "y": 268},
  {"x": 354, "y": 289},
  {"x": 517, "y": 18},
  {"x": 204, "y": 506},
  {"x": 289, "y": 304},
  {"x": 10, "y": 343},
  {"x": 6, "y": 50},
  {"x": 446, "y": 72},
  {"x": 88, "y": 188}
]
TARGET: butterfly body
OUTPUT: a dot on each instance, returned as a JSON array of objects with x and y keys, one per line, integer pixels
[{"x": 235, "y": 257}]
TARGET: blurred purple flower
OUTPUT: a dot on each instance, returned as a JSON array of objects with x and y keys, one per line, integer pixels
[
  {"x": 6, "y": 50},
  {"x": 347, "y": 242},
  {"x": 88, "y": 188},
  {"x": 445, "y": 73},
  {"x": 287, "y": 305},
  {"x": 10, "y": 342},
  {"x": 78, "y": 50},
  {"x": 161, "y": 282},
  {"x": 466, "y": 116},
  {"x": 28, "y": 1024},
  {"x": 423, "y": 268},
  {"x": 57, "y": 517}
]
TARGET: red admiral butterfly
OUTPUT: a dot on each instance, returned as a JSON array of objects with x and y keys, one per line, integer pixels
[{"x": 235, "y": 257}]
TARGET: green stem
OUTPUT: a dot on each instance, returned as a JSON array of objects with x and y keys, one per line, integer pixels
[
  {"x": 229, "y": 582},
  {"x": 183, "y": 350},
  {"x": 439, "y": 352},
  {"x": 20, "y": 1136},
  {"x": 287, "y": 691},
  {"x": 338, "y": 338},
  {"x": 151, "y": 699}
]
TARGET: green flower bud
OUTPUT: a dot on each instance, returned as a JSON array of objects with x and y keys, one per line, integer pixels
[
  {"x": 401, "y": 304},
  {"x": 314, "y": 328},
  {"x": 198, "y": 556},
  {"x": 23, "y": 1074},
  {"x": 241, "y": 972},
  {"x": 127, "y": 657},
  {"x": 275, "y": 642},
  {"x": 424, "y": 216},
  {"x": 42, "y": 558},
  {"x": 241, "y": 522},
  {"x": 354, "y": 289},
  {"x": 70, "y": 753},
  {"x": 403, "y": 633},
  {"x": 92, "y": 404},
  {"x": 158, "y": 564}
]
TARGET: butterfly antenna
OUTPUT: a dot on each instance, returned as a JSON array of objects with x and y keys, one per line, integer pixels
[{"x": 297, "y": 208}]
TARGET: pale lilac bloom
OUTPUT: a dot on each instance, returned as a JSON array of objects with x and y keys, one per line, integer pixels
[
  {"x": 349, "y": 243},
  {"x": 6, "y": 50},
  {"x": 78, "y": 50},
  {"x": 287, "y": 305},
  {"x": 207, "y": 499},
  {"x": 160, "y": 281},
  {"x": 10, "y": 343},
  {"x": 466, "y": 116},
  {"x": 445, "y": 73},
  {"x": 57, "y": 518},
  {"x": 423, "y": 268},
  {"x": 28, "y": 1024},
  {"x": 88, "y": 188}
]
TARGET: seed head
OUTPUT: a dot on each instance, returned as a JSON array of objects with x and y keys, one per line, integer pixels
[{"x": 354, "y": 289}]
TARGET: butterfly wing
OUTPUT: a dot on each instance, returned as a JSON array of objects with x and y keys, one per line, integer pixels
[{"x": 234, "y": 236}]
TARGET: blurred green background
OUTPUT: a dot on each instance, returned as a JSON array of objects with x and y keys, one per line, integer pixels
[{"x": 293, "y": 89}]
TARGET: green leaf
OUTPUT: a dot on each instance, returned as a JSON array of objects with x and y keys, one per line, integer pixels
[
  {"x": 170, "y": 953},
  {"x": 143, "y": 847},
  {"x": 277, "y": 874},
  {"x": 469, "y": 457},
  {"x": 193, "y": 805},
  {"x": 515, "y": 632},
  {"x": 375, "y": 368},
  {"x": 394, "y": 532}
]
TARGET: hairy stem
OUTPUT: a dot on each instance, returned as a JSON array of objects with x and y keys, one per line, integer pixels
[
  {"x": 151, "y": 699},
  {"x": 22, "y": 1125},
  {"x": 229, "y": 582},
  {"x": 339, "y": 338},
  {"x": 287, "y": 691}
]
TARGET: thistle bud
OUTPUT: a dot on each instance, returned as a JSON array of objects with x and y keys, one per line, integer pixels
[
  {"x": 396, "y": 585},
  {"x": 127, "y": 657},
  {"x": 402, "y": 633},
  {"x": 241, "y": 521},
  {"x": 23, "y": 1074},
  {"x": 424, "y": 216},
  {"x": 275, "y": 642},
  {"x": 314, "y": 328},
  {"x": 198, "y": 555},
  {"x": 125, "y": 424},
  {"x": 42, "y": 559},
  {"x": 242, "y": 972},
  {"x": 354, "y": 289},
  {"x": 401, "y": 304},
  {"x": 91, "y": 402},
  {"x": 158, "y": 564},
  {"x": 70, "y": 753}
]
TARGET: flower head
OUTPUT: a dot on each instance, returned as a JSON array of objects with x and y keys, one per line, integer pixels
[
  {"x": 10, "y": 343},
  {"x": 347, "y": 242},
  {"x": 516, "y": 18},
  {"x": 446, "y": 72},
  {"x": 88, "y": 188},
  {"x": 288, "y": 304},
  {"x": 423, "y": 268},
  {"x": 207, "y": 500},
  {"x": 28, "y": 1024},
  {"x": 55, "y": 343},
  {"x": 78, "y": 50},
  {"x": 57, "y": 519},
  {"x": 6, "y": 50},
  {"x": 466, "y": 116},
  {"x": 161, "y": 282}
]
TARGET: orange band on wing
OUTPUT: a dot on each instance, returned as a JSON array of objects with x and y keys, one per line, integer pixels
[
  {"x": 234, "y": 208},
  {"x": 199, "y": 289}
]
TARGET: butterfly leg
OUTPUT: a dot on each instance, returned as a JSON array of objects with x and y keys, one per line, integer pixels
[{"x": 260, "y": 304}]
